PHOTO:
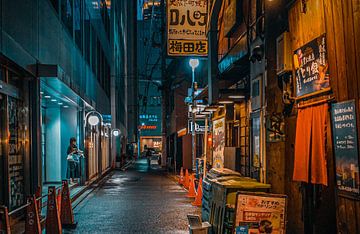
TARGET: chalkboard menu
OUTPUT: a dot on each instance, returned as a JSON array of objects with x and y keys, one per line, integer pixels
[
  {"x": 311, "y": 67},
  {"x": 345, "y": 146}
]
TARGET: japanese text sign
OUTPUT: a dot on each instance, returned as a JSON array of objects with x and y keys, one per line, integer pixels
[
  {"x": 345, "y": 146},
  {"x": 311, "y": 67},
  {"x": 186, "y": 27},
  {"x": 260, "y": 213}
]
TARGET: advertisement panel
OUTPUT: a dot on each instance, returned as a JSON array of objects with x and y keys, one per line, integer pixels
[
  {"x": 186, "y": 23},
  {"x": 218, "y": 142},
  {"x": 345, "y": 146},
  {"x": 312, "y": 67},
  {"x": 260, "y": 213}
]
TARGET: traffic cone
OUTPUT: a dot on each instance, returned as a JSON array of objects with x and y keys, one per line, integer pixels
[
  {"x": 186, "y": 180},
  {"x": 191, "y": 192},
  {"x": 4, "y": 220},
  {"x": 198, "y": 198},
  {"x": 32, "y": 224},
  {"x": 53, "y": 224},
  {"x": 181, "y": 177},
  {"x": 67, "y": 215},
  {"x": 58, "y": 199}
]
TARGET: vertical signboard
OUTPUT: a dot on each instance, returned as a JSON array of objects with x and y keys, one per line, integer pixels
[
  {"x": 260, "y": 213},
  {"x": 311, "y": 67},
  {"x": 186, "y": 25},
  {"x": 345, "y": 146},
  {"x": 218, "y": 142}
]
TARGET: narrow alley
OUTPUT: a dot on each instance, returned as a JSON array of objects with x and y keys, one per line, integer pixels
[{"x": 139, "y": 200}]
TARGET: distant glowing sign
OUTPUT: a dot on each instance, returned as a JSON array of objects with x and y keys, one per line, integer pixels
[
  {"x": 186, "y": 23},
  {"x": 148, "y": 127}
]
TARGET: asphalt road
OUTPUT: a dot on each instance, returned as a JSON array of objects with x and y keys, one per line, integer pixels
[{"x": 139, "y": 200}]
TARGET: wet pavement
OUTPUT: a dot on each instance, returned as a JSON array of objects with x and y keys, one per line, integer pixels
[{"x": 139, "y": 200}]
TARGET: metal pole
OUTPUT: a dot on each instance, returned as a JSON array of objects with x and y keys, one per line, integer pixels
[
  {"x": 193, "y": 132},
  {"x": 205, "y": 144}
]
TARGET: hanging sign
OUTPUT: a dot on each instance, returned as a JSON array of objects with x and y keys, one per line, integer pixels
[
  {"x": 311, "y": 67},
  {"x": 218, "y": 142},
  {"x": 186, "y": 22},
  {"x": 260, "y": 213},
  {"x": 345, "y": 146}
]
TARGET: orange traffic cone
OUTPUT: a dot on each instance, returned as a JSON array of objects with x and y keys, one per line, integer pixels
[
  {"x": 186, "y": 180},
  {"x": 4, "y": 220},
  {"x": 53, "y": 224},
  {"x": 58, "y": 199},
  {"x": 32, "y": 224},
  {"x": 198, "y": 198},
  {"x": 181, "y": 177},
  {"x": 191, "y": 192},
  {"x": 66, "y": 214}
]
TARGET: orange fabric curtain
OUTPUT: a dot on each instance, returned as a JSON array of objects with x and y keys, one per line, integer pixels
[{"x": 310, "y": 150}]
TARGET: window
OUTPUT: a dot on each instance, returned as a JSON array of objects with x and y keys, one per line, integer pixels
[
  {"x": 55, "y": 4},
  {"x": 67, "y": 14},
  {"x": 78, "y": 25}
]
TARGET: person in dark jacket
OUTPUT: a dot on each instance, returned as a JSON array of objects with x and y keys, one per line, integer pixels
[{"x": 73, "y": 160}]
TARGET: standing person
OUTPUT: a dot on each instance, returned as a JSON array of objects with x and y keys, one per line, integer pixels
[{"x": 72, "y": 159}]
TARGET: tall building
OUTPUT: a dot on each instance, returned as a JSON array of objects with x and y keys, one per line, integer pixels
[
  {"x": 65, "y": 72},
  {"x": 149, "y": 72}
]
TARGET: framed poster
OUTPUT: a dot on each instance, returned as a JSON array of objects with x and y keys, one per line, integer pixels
[
  {"x": 218, "y": 142},
  {"x": 311, "y": 68},
  {"x": 186, "y": 27},
  {"x": 257, "y": 213},
  {"x": 345, "y": 142}
]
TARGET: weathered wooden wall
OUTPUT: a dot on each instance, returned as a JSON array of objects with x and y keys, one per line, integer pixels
[{"x": 340, "y": 20}]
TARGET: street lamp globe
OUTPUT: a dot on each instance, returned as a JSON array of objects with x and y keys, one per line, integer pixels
[
  {"x": 93, "y": 120},
  {"x": 194, "y": 63},
  {"x": 116, "y": 133}
]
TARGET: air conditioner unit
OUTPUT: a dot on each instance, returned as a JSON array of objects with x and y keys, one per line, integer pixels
[{"x": 284, "y": 54}]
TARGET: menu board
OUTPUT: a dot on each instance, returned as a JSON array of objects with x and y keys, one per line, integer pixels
[
  {"x": 345, "y": 146},
  {"x": 311, "y": 67},
  {"x": 218, "y": 142},
  {"x": 260, "y": 213}
]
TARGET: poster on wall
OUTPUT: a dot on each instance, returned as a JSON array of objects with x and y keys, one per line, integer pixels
[
  {"x": 186, "y": 28},
  {"x": 260, "y": 213},
  {"x": 345, "y": 146},
  {"x": 218, "y": 142},
  {"x": 312, "y": 67}
]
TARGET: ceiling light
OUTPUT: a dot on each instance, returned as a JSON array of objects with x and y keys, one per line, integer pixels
[
  {"x": 226, "y": 102},
  {"x": 41, "y": 92},
  {"x": 60, "y": 103},
  {"x": 66, "y": 106},
  {"x": 47, "y": 96},
  {"x": 53, "y": 100},
  {"x": 211, "y": 108},
  {"x": 237, "y": 96}
]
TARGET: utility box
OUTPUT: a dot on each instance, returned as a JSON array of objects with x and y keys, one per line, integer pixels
[{"x": 283, "y": 54}]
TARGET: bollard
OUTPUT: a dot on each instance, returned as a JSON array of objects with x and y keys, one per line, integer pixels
[
  {"x": 53, "y": 224},
  {"x": 4, "y": 220},
  {"x": 32, "y": 224},
  {"x": 67, "y": 215}
]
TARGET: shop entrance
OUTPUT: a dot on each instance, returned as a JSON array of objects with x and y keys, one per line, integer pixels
[
  {"x": 14, "y": 146},
  {"x": 59, "y": 123}
]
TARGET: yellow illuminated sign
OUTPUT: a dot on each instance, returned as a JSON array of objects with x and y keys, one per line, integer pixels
[{"x": 186, "y": 27}]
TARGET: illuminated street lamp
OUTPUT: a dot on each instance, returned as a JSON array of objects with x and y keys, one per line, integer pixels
[
  {"x": 93, "y": 119},
  {"x": 194, "y": 63}
]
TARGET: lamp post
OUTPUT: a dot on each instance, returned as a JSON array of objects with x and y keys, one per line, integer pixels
[
  {"x": 94, "y": 118},
  {"x": 114, "y": 134},
  {"x": 194, "y": 63}
]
